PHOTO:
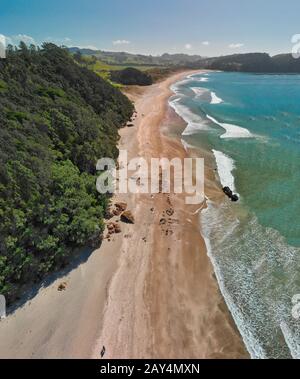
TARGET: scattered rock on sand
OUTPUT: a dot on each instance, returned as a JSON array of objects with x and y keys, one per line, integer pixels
[
  {"x": 113, "y": 228},
  {"x": 117, "y": 229},
  {"x": 170, "y": 212},
  {"x": 109, "y": 213},
  {"x": 119, "y": 208},
  {"x": 127, "y": 217},
  {"x": 62, "y": 287}
]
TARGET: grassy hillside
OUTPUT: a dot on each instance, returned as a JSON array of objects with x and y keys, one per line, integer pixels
[
  {"x": 137, "y": 60},
  {"x": 108, "y": 71},
  {"x": 57, "y": 119}
]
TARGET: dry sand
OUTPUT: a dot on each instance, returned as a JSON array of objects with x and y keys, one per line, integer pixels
[{"x": 148, "y": 293}]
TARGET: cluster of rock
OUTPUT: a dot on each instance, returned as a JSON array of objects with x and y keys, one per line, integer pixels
[
  {"x": 113, "y": 228},
  {"x": 118, "y": 210},
  {"x": 232, "y": 196}
]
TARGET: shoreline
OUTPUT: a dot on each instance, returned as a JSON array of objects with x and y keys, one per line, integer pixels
[
  {"x": 178, "y": 310},
  {"x": 151, "y": 291}
]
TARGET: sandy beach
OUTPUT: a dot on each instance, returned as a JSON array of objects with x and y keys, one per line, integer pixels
[{"x": 149, "y": 292}]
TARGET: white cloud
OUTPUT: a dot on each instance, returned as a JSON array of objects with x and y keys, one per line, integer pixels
[
  {"x": 16, "y": 39},
  {"x": 3, "y": 39},
  {"x": 121, "y": 42},
  {"x": 22, "y": 37},
  {"x": 188, "y": 46},
  {"x": 236, "y": 45},
  {"x": 206, "y": 43},
  {"x": 2, "y": 46}
]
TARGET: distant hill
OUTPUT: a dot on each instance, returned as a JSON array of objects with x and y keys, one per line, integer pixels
[
  {"x": 253, "y": 62},
  {"x": 123, "y": 58}
]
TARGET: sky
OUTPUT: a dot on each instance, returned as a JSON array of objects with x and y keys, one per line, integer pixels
[{"x": 204, "y": 27}]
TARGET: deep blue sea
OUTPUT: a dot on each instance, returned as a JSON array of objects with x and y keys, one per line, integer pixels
[{"x": 251, "y": 123}]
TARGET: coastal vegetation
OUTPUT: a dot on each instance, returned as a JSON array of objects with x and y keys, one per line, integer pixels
[
  {"x": 131, "y": 76},
  {"x": 57, "y": 119}
]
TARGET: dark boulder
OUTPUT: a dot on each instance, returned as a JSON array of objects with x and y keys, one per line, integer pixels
[
  {"x": 233, "y": 197},
  {"x": 127, "y": 217},
  {"x": 227, "y": 191}
]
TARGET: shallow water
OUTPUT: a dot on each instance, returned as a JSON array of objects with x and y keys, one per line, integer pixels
[{"x": 252, "y": 124}]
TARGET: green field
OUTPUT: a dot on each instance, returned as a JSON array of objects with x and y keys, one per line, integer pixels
[{"x": 103, "y": 69}]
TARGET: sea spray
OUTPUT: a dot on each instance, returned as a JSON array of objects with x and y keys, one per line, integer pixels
[
  {"x": 254, "y": 348},
  {"x": 225, "y": 166},
  {"x": 215, "y": 99},
  {"x": 195, "y": 123},
  {"x": 232, "y": 131}
]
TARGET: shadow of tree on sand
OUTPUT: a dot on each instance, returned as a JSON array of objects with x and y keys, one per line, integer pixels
[{"x": 30, "y": 291}]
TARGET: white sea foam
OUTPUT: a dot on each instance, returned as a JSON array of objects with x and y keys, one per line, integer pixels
[
  {"x": 232, "y": 131},
  {"x": 194, "y": 121},
  {"x": 209, "y": 217},
  {"x": 291, "y": 340},
  {"x": 187, "y": 145},
  {"x": 225, "y": 167},
  {"x": 215, "y": 99},
  {"x": 199, "y": 91},
  {"x": 176, "y": 86},
  {"x": 245, "y": 256},
  {"x": 203, "y": 80},
  {"x": 191, "y": 76}
]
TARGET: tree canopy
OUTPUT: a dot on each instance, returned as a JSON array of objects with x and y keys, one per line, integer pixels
[{"x": 56, "y": 120}]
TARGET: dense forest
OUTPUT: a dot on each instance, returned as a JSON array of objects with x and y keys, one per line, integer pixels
[
  {"x": 56, "y": 120},
  {"x": 131, "y": 76}
]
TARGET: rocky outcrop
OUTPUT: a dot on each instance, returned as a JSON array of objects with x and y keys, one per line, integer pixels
[
  {"x": 119, "y": 208},
  {"x": 116, "y": 210},
  {"x": 228, "y": 192},
  {"x": 127, "y": 217},
  {"x": 113, "y": 228}
]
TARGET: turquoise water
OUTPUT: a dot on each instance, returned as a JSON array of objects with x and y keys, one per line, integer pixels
[{"x": 252, "y": 124}]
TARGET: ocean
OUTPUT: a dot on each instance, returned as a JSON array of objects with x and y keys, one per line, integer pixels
[{"x": 251, "y": 123}]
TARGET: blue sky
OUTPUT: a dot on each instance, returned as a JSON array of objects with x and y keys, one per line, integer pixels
[{"x": 206, "y": 27}]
